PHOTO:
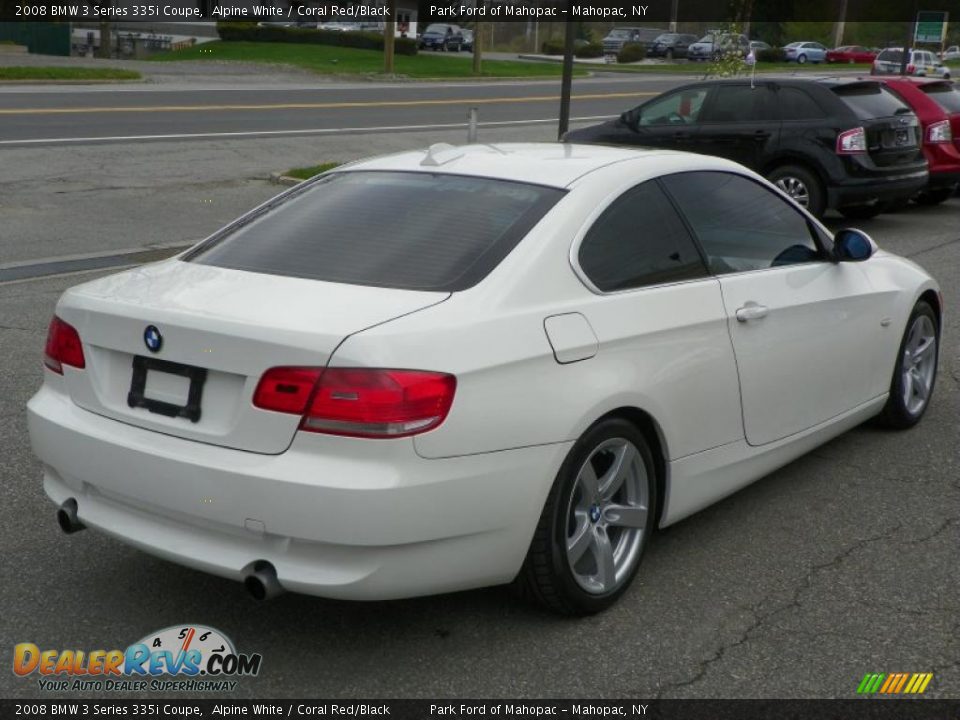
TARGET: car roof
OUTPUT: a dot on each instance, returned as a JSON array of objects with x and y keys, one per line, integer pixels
[{"x": 552, "y": 164}]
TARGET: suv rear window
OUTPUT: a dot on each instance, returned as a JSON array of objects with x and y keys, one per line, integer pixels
[
  {"x": 402, "y": 230},
  {"x": 946, "y": 95},
  {"x": 891, "y": 56},
  {"x": 871, "y": 100}
]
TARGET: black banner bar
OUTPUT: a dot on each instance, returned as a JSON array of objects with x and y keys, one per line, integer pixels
[{"x": 874, "y": 709}]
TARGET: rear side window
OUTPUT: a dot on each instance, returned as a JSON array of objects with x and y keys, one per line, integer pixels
[
  {"x": 796, "y": 104},
  {"x": 639, "y": 240},
  {"x": 871, "y": 100},
  {"x": 945, "y": 95},
  {"x": 738, "y": 103},
  {"x": 403, "y": 230},
  {"x": 740, "y": 224}
]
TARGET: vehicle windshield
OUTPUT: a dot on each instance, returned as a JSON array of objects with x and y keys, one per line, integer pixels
[
  {"x": 402, "y": 230},
  {"x": 436, "y": 30},
  {"x": 668, "y": 37},
  {"x": 621, "y": 32},
  {"x": 946, "y": 95},
  {"x": 706, "y": 39},
  {"x": 891, "y": 56}
]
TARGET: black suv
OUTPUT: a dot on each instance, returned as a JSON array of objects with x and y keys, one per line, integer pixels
[{"x": 851, "y": 145}]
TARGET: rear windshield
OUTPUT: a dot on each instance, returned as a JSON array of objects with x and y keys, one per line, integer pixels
[
  {"x": 871, "y": 101},
  {"x": 946, "y": 96},
  {"x": 891, "y": 56},
  {"x": 403, "y": 230}
]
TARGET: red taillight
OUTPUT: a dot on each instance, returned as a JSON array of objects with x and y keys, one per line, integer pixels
[
  {"x": 286, "y": 389},
  {"x": 63, "y": 347},
  {"x": 852, "y": 142},
  {"x": 910, "y": 69},
  {"x": 359, "y": 402},
  {"x": 939, "y": 132}
]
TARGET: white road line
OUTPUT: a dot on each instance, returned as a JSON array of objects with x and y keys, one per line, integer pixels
[{"x": 273, "y": 133}]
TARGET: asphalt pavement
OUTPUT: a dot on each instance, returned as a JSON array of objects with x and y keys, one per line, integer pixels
[{"x": 842, "y": 563}]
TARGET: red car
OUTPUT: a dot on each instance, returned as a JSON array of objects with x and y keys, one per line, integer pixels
[
  {"x": 937, "y": 105},
  {"x": 851, "y": 54}
]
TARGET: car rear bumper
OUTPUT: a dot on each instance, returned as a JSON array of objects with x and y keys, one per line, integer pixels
[
  {"x": 334, "y": 518},
  {"x": 867, "y": 185}
]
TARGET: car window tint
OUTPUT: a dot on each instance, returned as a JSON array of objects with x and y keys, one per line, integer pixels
[
  {"x": 639, "y": 240},
  {"x": 404, "y": 230},
  {"x": 946, "y": 95},
  {"x": 891, "y": 56},
  {"x": 680, "y": 108},
  {"x": 737, "y": 103},
  {"x": 871, "y": 100},
  {"x": 740, "y": 224},
  {"x": 796, "y": 104}
]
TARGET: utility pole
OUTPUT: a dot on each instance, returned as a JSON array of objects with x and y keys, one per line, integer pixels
[
  {"x": 674, "y": 9},
  {"x": 106, "y": 32},
  {"x": 389, "y": 37},
  {"x": 908, "y": 43},
  {"x": 567, "y": 82},
  {"x": 478, "y": 32},
  {"x": 840, "y": 25}
]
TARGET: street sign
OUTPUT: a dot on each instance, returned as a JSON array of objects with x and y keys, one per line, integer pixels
[{"x": 931, "y": 27}]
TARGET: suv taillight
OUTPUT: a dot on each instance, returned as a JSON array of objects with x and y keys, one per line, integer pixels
[
  {"x": 939, "y": 132},
  {"x": 359, "y": 402},
  {"x": 63, "y": 347},
  {"x": 852, "y": 142}
]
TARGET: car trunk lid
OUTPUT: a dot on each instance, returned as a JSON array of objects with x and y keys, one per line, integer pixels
[{"x": 213, "y": 332}]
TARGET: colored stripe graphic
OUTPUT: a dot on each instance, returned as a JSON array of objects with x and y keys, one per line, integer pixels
[{"x": 894, "y": 683}]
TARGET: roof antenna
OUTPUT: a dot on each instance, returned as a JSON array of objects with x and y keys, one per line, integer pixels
[{"x": 440, "y": 154}]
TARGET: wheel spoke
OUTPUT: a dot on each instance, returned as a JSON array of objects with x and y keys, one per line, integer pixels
[
  {"x": 907, "y": 388},
  {"x": 612, "y": 480},
  {"x": 603, "y": 554},
  {"x": 582, "y": 540},
  {"x": 588, "y": 480},
  {"x": 923, "y": 349},
  {"x": 631, "y": 516},
  {"x": 920, "y": 388}
]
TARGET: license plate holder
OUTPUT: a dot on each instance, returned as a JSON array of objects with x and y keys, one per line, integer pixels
[
  {"x": 902, "y": 138},
  {"x": 137, "y": 395}
]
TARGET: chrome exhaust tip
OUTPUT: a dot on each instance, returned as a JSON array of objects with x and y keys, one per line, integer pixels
[
  {"x": 260, "y": 580},
  {"x": 67, "y": 517}
]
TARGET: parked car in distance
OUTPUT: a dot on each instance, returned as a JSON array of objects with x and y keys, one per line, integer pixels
[
  {"x": 467, "y": 39},
  {"x": 851, "y": 54},
  {"x": 671, "y": 45},
  {"x": 713, "y": 45},
  {"x": 804, "y": 52},
  {"x": 610, "y": 342},
  {"x": 951, "y": 53},
  {"x": 937, "y": 105},
  {"x": 620, "y": 36},
  {"x": 440, "y": 36},
  {"x": 845, "y": 144},
  {"x": 920, "y": 63},
  {"x": 758, "y": 45}
]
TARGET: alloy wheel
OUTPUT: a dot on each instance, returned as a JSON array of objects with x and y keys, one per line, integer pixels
[
  {"x": 919, "y": 364},
  {"x": 606, "y": 516},
  {"x": 795, "y": 188}
]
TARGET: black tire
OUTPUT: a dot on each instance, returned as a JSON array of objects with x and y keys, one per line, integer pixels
[
  {"x": 801, "y": 59},
  {"x": 816, "y": 197},
  {"x": 546, "y": 576},
  {"x": 895, "y": 413},
  {"x": 861, "y": 212},
  {"x": 934, "y": 197}
]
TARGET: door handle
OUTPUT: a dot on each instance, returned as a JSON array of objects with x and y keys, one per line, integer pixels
[{"x": 752, "y": 311}]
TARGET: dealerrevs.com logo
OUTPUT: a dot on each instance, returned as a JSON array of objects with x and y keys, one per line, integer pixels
[{"x": 198, "y": 658}]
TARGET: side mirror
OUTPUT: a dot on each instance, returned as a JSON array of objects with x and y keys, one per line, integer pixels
[
  {"x": 631, "y": 118},
  {"x": 850, "y": 245}
]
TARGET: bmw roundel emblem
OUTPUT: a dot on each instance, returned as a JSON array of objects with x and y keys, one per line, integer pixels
[{"x": 152, "y": 338}]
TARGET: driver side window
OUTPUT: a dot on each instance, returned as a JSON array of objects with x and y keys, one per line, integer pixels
[{"x": 679, "y": 108}]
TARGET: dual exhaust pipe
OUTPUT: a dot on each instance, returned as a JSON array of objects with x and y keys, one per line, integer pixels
[{"x": 259, "y": 577}]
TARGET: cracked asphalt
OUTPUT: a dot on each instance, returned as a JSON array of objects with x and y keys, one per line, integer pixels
[{"x": 842, "y": 563}]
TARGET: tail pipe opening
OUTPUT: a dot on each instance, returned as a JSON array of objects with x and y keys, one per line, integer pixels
[
  {"x": 67, "y": 517},
  {"x": 260, "y": 579}
]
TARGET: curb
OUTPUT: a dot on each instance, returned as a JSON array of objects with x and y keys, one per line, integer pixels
[{"x": 284, "y": 179}]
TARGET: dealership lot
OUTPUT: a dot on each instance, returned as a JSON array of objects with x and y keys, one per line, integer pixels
[{"x": 841, "y": 563}]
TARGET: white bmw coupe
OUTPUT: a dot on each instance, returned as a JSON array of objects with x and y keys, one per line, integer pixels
[{"x": 467, "y": 366}]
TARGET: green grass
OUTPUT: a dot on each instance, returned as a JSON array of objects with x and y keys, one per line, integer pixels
[
  {"x": 66, "y": 73},
  {"x": 332, "y": 60},
  {"x": 305, "y": 173}
]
